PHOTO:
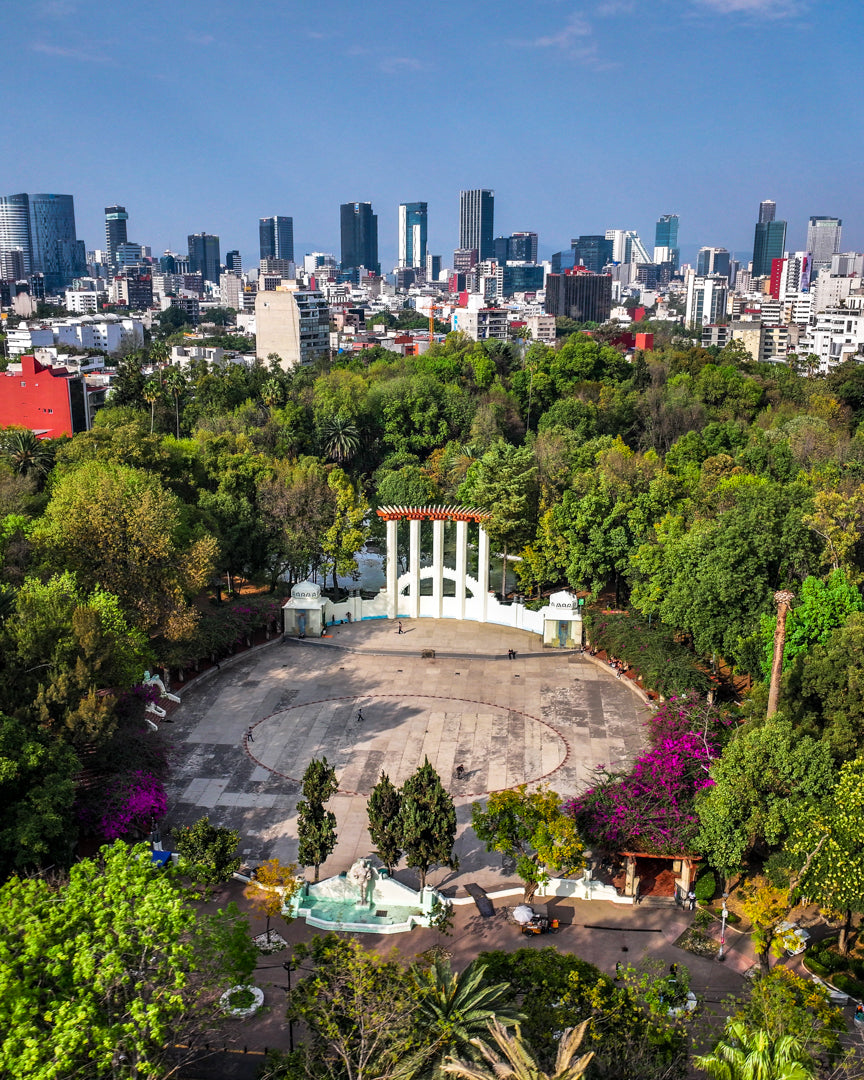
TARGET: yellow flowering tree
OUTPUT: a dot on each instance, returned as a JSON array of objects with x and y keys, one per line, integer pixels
[{"x": 828, "y": 842}]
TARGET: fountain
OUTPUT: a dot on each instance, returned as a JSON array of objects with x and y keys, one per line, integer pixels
[{"x": 364, "y": 900}]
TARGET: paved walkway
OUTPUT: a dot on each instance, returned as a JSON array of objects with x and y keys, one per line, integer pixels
[{"x": 545, "y": 716}]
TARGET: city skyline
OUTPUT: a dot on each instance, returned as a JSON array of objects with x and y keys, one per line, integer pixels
[{"x": 599, "y": 160}]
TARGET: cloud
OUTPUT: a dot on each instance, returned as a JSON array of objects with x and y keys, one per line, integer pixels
[
  {"x": 575, "y": 28},
  {"x": 315, "y": 35},
  {"x": 66, "y": 53},
  {"x": 607, "y": 8},
  {"x": 395, "y": 65},
  {"x": 766, "y": 9}
]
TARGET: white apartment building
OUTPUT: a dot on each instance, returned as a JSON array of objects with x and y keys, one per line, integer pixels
[
  {"x": 231, "y": 291},
  {"x": 837, "y": 336},
  {"x": 706, "y": 299},
  {"x": 481, "y": 323},
  {"x": 764, "y": 343},
  {"x": 292, "y": 323},
  {"x": 542, "y": 328}
]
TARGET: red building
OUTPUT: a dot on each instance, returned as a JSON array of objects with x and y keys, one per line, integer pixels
[{"x": 49, "y": 401}]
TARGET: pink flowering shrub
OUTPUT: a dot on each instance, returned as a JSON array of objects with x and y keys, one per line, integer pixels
[
  {"x": 651, "y": 807},
  {"x": 134, "y": 800}
]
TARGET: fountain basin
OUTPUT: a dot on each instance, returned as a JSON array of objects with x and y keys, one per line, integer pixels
[{"x": 364, "y": 901}]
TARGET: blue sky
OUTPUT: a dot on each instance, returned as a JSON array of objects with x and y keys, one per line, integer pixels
[{"x": 605, "y": 114}]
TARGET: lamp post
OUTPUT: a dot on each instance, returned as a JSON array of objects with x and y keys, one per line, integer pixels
[{"x": 721, "y": 955}]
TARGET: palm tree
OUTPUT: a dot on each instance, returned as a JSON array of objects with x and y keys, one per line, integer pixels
[
  {"x": 751, "y": 1054},
  {"x": 518, "y": 1062},
  {"x": 340, "y": 437},
  {"x": 174, "y": 382},
  {"x": 151, "y": 393},
  {"x": 29, "y": 454},
  {"x": 159, "y": 353},
  {"x": 455, "y": 1011}
]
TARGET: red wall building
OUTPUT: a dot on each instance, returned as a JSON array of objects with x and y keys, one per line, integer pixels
[{"x": 49, "y": 401}]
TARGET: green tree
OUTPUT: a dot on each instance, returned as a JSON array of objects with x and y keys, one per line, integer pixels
[
  {"x": 209, "y": 851},
  {"x": 384, "y": 810},
  {"x": 37, "y": 791},
  {"x": 348, "y": 531},
  {"x": 827, "y": 839},
  {"x": 174, "y": 382},
  {"x": 119, "y": 528},
  {"x": 358, "y": 1009},
  {"x": 503, "y": 482},
  {"x": 152, "y": 393},
  {"x": 428, "y": 822},
  {"x": 752, "y": 1054},
  {"x": 515, "y": 1060},
  {"x": 297, "y": 507},
  {"x": 109, "y": 972},
  {"x": 316, "y": 827},
  {"x": 340, "y": 438},
  {"x": 530, "y": 828},
  {"x": 763, "y": 779}
]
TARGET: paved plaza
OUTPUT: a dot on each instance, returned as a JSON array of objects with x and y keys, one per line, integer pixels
[{"x": 367, "y": 699}]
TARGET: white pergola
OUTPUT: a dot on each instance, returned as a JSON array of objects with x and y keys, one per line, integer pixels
[{"x": 437, "y": 606}]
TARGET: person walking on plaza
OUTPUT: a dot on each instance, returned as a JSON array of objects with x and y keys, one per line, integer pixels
[
  {"x": 400, "y": 630},
  {"x": 249, "y": 736}
]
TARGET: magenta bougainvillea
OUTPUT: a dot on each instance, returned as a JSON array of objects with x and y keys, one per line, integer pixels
[
  {"x": 131, "y": 801},
  {"x": 651, "y": 807}
]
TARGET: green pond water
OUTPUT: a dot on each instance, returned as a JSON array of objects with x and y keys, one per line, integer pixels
[{"x": 346, "y": 911}]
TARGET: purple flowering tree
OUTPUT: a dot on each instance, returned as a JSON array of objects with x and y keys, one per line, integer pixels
[
  {"x": 129, "y": 801},
  {"x": 651, "y": 807}
]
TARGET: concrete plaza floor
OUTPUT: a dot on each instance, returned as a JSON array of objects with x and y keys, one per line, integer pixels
[{"x": 546, "y": 715}]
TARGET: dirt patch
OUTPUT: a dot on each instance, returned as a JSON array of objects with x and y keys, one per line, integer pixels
[{"x": 698, "y": 942}]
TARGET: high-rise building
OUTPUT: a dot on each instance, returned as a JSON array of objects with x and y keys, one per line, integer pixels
[
  {"x": 769, "y": 242},
  {"x": 359, "y": 230},
  {"x": 593, "y": 252},
  {"x": 115, "y": 231},
  {"x": 713, "y": 260},
  {"x": 464, "y": 259},
  {"x": 666, "y": 240},
  {"x": 12, "y": 264},
  {"x": 767, "y": 211},
  {"x": 292, "y": 323},
  {"x": 627, "y": 247},
  {"x": 15, "y": 227},
  {"x": 233, "y": 263},
  {"x": 579, "y": 295},
  {"x": 276, "y": 238},
  {"x": 412, "y": 234},
  {"x": 706, "y": 300},
  {"x": 477, "y": 222},
  {"x": 204, "y": 256},
  {"x": 433, "y": 267},
  {"x": 523, "y": 247},
  {"x": 56, "y": 251},
  {"x": 823, "y": 241},
  {"x": 501, "y": 249}
]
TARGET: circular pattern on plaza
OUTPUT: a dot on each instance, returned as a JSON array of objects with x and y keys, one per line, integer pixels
[{"x": 497, "y": 747}]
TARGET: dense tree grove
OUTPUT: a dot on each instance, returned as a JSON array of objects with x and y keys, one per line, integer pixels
[{"x": 684, "y": 486}]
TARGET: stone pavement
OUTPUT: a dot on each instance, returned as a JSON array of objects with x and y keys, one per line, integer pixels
[{"x": 546, "y": 716}]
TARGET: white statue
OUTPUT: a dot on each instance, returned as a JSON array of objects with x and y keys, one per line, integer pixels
[
  {"x": 361, "y": 873},
  {"x": 154, "y": 680}
]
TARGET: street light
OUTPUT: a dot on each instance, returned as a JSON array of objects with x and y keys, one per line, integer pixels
[{"x": 721, "y": 955}]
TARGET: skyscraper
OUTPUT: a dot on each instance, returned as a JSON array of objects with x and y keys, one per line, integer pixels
[
  {"x": 56, "y": 251},
  {"x": 823, "y": 241},
  {"x": 769, "y": 240},
  {"x": 233, "y": 262},
  {"x": 711, "y": 260},
  {"x": 477, "y": 221},
  {"x": 15, "y": 227},
  {"x": 523, "y": 247},
  {"x": 276, "y": 238},
  {"x": 593, "y": 252},
  {"x": 115, "y": 231},
  {"x": 359, "y": 232},
  {"x": 412, "y": 233},
  {"x": 666, "y": 240},
  {"x": 204, "y": 256}
]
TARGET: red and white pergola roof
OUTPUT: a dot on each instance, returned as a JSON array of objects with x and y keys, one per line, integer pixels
[{"x": 433, "y": 513}]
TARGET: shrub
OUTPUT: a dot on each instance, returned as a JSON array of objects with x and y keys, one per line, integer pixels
[
  {"x": 817, "y": 968},
  {"x": 706, "y": 886},
  {"x": 848, "y": 985},
  {"x": 210, "y": 851},
  {"x": 857, "y": 968},
  {"x": 702, "y": 918},
  {"x": 831, "y": 960}
]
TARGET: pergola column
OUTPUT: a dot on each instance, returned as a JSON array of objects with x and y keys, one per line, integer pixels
[
  {"x": 392, "y": 567},
  {"x": 414, "y": 566},
  {"x": 461, "y": 566},
  {"x": 437, "y": 568},
  {"x": 483, "y": 571}
]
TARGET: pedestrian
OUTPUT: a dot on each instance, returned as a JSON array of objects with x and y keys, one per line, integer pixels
[
  {"x": 617, "y": 970},
  {"x": 509, "y": 654},
  {"x": 691, "y": 896},
  {"x": 249, "y": 736},
  {"x": 360, "y": 717},
  {"x": 460, "y": 771},
  {"x": 673, "y": 970},
  {"x": 400, "y": 630}
]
